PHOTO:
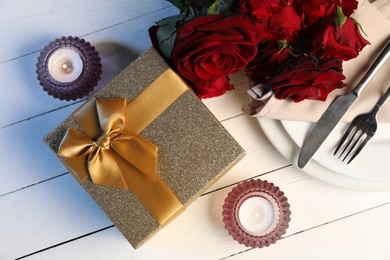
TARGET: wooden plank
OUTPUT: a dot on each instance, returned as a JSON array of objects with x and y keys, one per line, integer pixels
[
  {"x": 107, "y": 244},
  {"x": 46, "y": 214},
  {"x": 24, "y": 140},
  {"x": 199, "y": 233},
  {"x": 360, "y": 236},
  {"x": 43, "y": 164},
  {"x": 30, "y": 25},
  {"x": 57, "y": 210},
  {"x": 26, "y": 159},
  {"x": 26, "y": 99},
  {"x": 260, "y": 156},
  {"x": 118, "y": 46},
  {"x": 338, "y": 202}
]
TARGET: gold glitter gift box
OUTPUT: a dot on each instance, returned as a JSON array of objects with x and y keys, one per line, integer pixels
[{"x": 193, "y": 151}]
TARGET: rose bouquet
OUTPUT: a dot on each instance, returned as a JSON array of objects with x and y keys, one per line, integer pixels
[{"x": 294, "y": 47}]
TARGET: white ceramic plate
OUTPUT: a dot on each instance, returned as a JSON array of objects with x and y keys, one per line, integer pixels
[{"x": 369, "y": 171}]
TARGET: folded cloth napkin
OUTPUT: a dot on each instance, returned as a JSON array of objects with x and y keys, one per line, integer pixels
[{"x": 377, "y": 28}]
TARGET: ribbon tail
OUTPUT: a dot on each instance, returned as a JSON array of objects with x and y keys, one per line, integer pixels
[
  {"x": 138, "y": 151},
  {"x": 154, "y": 194},
  {"x": 138, "y": 161},
  {"x": 104, "y": 170}
]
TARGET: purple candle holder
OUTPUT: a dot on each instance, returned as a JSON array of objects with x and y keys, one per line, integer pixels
[
  {"x": 68, "y": 68},
  {"x": 256, "y": 213}
]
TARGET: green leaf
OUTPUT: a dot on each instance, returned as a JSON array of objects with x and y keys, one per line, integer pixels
[
  {"x": 166, "y": 34},
  {"x": 339, "y": 18},
  {"x": 214, "y": 8},
  {"x": 166, "y": 46}
]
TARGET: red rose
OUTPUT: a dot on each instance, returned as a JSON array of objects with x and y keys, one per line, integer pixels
[
  {"x": 334, "y": 42},
  {"x": 313, "y": 11},
  {"x": 212, "y": 88},
  {"x": 349, "y": 6},
  {"x": 283, "y": 26},
  {"x": 267, "y": 61},
  {"x": 208, "y": 48},
  {"x": 263, "y": 9},
  {"x": 303, "y": 79}
]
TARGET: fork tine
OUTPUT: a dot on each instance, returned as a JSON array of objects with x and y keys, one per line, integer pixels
[
  {"x": 360, "y": 131},
  {"x": 356, "y": 138},
  {"x": 360, "y": 148},
  {"x": 343, "y": 139},
  {"x": 351, "y": 136}
]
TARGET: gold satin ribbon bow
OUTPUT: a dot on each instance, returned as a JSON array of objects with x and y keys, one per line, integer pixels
[{"x": 112, "y": 153}]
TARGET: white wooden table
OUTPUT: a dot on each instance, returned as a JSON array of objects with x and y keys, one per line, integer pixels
[{"x": 45, "y": 214}]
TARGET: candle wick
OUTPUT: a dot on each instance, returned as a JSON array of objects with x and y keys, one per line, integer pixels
[{"x": 67, "y": 67}]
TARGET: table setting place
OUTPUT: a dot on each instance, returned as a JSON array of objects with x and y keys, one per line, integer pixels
[{"x": 200, "y": 129}]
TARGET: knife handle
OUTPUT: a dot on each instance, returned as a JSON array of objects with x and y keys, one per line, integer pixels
[{"x": 380, "y": 60}]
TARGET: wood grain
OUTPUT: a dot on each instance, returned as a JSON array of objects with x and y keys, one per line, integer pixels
[{"x": 45, "y": 214}]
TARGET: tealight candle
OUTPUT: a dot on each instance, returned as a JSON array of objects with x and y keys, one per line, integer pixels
[
  {"x": 65, "y": 65},
  {"x": 68, "y": 68},
  {"x": 256, "y": 215}
]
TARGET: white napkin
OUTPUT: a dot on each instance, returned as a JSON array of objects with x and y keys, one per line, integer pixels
[{"x": 377, "y": 28}]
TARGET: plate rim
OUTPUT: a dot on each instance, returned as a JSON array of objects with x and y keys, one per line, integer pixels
[{"x": 285, "y": 145}]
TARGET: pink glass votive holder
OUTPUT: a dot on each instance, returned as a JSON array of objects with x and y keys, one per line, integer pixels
[{"x": 256, "y": 213}]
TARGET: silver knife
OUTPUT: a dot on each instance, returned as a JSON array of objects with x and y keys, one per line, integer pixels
[{"x": 336, "y": 111}]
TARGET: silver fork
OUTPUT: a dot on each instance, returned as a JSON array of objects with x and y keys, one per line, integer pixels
[{"x": 360, "y": 131}]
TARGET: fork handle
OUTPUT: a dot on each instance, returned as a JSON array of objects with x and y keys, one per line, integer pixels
[
  {"x": 380, "y": 60},
  {"x": 382, "y": 100}
]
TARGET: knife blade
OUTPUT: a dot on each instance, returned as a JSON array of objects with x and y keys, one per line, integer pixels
[{"x": 327, "y": 122}]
